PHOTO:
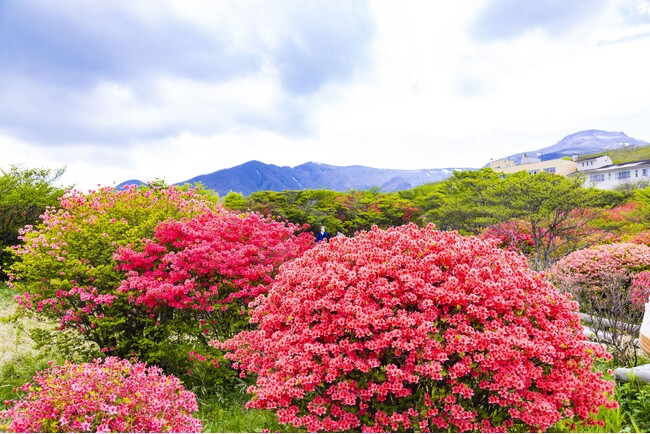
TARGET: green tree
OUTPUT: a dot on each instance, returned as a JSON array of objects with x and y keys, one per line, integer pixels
[
  {"x": 466, "y": 202},
  {"x": 557, "y": 209},
  {"x": 25, "y": 193},
  {"x": 235, "y": 201}
]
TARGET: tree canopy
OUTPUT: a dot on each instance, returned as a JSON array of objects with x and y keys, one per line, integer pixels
[{"x": 25, "y": 193}]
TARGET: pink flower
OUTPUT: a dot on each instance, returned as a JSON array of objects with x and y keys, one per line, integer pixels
[{"x": 104, "y": 396}]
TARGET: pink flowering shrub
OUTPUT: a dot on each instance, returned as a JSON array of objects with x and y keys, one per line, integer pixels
[
  {"x": 109, "y": 396},
  {"x": 601, "y": 279},
  {"x": 640, "y": 290},
  {"x": 416, "y": 329},
  {"x": 588, "y": 267},
  {"x": 66, "y": 272}
]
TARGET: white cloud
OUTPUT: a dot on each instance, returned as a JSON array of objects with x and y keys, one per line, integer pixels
[{"x": 399, "y": 85}]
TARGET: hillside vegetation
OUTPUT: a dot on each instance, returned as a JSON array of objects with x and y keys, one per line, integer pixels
[{"x": 625, "y": 155}]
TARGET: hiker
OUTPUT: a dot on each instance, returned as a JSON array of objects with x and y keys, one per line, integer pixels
[{"x": 322, "y": 235}]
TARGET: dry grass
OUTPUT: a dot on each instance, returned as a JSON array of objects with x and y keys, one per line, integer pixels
[{"x": 14, "y": 341}]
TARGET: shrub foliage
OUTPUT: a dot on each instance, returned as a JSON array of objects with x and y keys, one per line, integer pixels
[{"x": 153, "y": 273}]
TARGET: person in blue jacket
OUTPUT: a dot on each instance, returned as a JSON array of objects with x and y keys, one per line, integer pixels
[{"x": 322, "y": 235}]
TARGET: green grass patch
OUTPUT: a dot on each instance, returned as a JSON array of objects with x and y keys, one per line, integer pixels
[
  {"x": 230, "y": 415},
  {"x": 19, "y": 361},
  {"x": 624, "y": 155}
]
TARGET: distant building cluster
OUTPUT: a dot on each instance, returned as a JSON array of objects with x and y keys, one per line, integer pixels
[{"x": 598, "y": 171}]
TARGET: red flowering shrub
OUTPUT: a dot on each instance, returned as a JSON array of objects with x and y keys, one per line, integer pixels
[
  {"x": 216, "y": 259},
  {"x": 109, "y": 396},
  {"x": 198, "y": 275},
  {"x": 514, "y": 235},
  {"x": 416, "y": 329}
]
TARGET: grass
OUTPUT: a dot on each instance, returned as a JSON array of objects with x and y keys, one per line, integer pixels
[
  {"x": 232, "y": 416},
  {"x": 18, "y": 359}
]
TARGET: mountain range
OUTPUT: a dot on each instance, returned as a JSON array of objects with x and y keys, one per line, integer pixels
[
  {"x": 255, "y": 176},
  {"x": 582, "y": 143}
]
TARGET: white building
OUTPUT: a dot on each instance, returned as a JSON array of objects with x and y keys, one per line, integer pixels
[
  {"x": 558, "y": 166},
  {"x": 593, "y": 163},
  {"x": 614, "y": 175}
]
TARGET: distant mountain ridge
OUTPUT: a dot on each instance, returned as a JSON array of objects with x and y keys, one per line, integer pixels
[
  {"x": 255, "y": 176},
  {"x": 580, "y": 143}
]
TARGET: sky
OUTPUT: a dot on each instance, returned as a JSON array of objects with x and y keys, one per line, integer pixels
[{"x": 172, "y": 89}]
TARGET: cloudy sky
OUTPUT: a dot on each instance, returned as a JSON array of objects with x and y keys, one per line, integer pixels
[{"x": 146, "y": 89}]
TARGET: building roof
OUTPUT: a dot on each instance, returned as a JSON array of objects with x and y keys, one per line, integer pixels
[{"x": 621, "y": 166}]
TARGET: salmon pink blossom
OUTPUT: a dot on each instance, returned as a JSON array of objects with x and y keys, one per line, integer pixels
[{"x": 417, "y": 329}]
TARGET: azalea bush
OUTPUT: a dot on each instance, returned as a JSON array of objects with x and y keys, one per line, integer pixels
[
  {"x": 640, "y": 290},
  {"x": 104, "y": 396},
  {"x": 197, "y": 276},
  {"x": 514, "y": 235},
  {"x": 586, "y": 267},
  {"x": 216, "y": 259},
  {"x": 601, "y": 279},
  {"x": 66, "y": 272},
  {"x": 416, "y": 329}
]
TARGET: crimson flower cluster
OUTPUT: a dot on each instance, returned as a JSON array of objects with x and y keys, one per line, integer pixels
[
  {"x": 417, "y": 329},
  {"x": 216, "y": 259},
  {"x": 113, "y": 395}
]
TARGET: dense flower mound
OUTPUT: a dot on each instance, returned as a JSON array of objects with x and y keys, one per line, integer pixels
[
  {"x": 600, "y": 267},
  {"x": 589, "y": 266},
  {"x": 109, "y": 396},
  {"x": 416, "y": 329},
  {"x": 214, "y": 259}
]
